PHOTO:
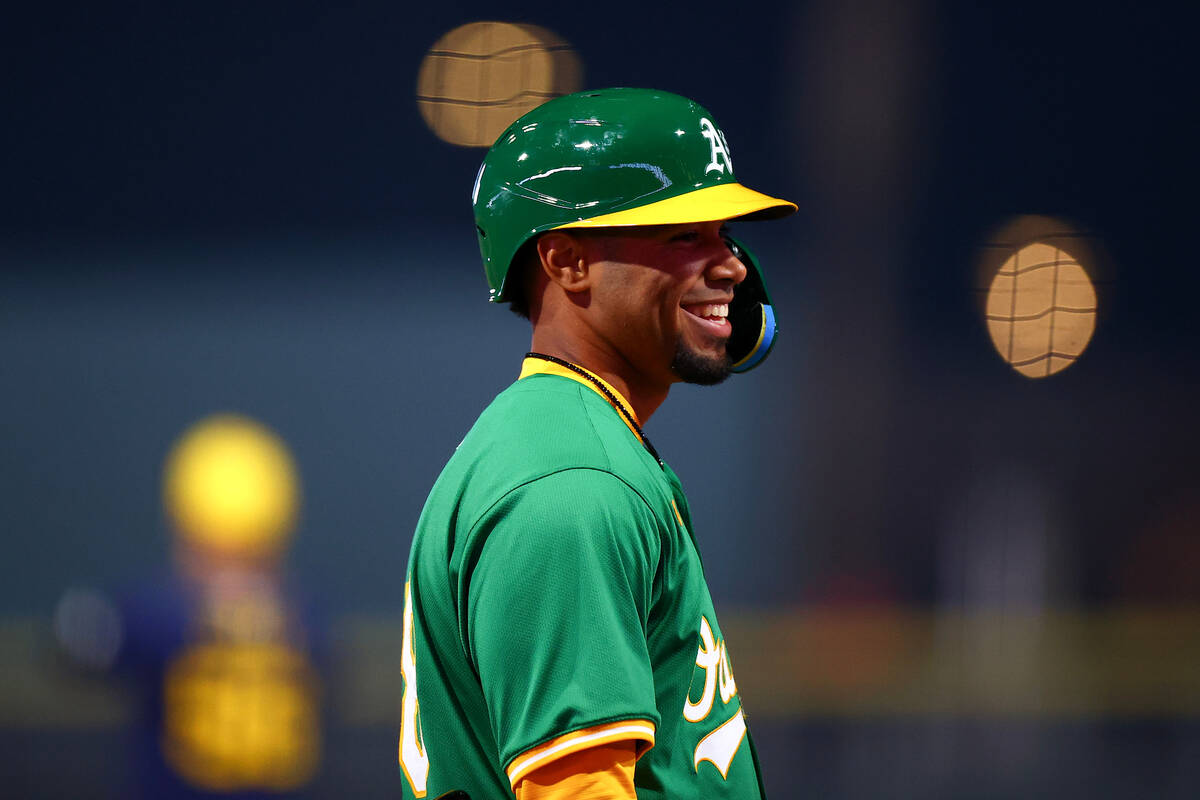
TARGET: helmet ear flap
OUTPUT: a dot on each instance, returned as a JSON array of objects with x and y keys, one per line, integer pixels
[{"x": 750, "y": 314}]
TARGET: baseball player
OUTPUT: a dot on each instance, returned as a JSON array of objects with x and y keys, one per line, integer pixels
[{"x": 559, "y": 637}]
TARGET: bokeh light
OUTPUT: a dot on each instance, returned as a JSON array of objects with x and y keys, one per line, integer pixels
[
  {"x": 479, "y": 77},
  {"x": 1041, "y": 302},
  {"x": 231, "y": 484},
  {"x": 1041, "y": 310}
]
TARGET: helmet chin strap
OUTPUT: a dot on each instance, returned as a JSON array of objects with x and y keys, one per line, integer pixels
[
  {"x": 751, "y": 314},
  {"x": 762, "y": 346}
]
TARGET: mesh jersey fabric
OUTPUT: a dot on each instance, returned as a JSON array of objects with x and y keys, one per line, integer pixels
[{"x": 556, "y": 597}]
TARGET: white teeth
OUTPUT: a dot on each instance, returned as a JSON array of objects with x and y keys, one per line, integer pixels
[{"x": 710, "y": 311}]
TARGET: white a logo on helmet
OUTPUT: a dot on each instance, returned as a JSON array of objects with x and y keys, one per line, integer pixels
[{"x": 720, "y": 148}]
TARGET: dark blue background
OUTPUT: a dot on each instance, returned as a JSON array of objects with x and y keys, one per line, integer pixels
[{"x": 236, "y": 206}]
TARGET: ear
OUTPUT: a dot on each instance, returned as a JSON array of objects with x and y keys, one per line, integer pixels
[{"x": 564, "y": 260}]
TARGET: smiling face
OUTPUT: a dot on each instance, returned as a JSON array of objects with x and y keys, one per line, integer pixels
[{"x": 661, "y": 299}]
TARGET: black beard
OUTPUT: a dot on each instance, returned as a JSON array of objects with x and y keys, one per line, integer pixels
[{"x": 703, "y": 371}]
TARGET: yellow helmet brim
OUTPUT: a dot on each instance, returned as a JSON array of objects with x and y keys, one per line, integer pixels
[{"x": 725, "y": 201}]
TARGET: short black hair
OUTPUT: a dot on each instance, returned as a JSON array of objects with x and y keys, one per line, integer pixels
[{"x": 516, "y": 283}]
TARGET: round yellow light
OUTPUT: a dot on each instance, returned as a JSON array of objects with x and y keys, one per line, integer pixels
[
  {"x": 480, "y": 77},
  {"x": 230, "y": 484},
  {"x": 1041, "y": 309}
]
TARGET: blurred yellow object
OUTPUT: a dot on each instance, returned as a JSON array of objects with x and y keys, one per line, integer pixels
[
  {"x": 242, "y": 716},
  {"x": 1041, "y": 310},
  {"x": 481, "y": 76},
  {"x": 1039, "y": 280},
  {"x": 230, "y": 484}
]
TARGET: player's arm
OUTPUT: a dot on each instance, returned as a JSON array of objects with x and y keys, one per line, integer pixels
[
  {"x": 598, "y": 773},
  {"x": 557, "y": 609}
]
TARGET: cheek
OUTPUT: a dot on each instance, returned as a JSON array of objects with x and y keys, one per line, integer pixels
[
  {"x": 640, "y": 297},
  {"x": 668, "y": 301}
]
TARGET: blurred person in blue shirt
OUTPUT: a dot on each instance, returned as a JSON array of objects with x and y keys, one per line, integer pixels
[{"x": 223, "y": 652}]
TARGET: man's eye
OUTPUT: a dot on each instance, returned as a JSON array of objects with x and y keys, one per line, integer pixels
[{"x": 686, "y": 236}]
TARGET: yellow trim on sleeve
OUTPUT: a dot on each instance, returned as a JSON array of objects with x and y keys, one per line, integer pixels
[
  {"x": 639, "y": 730},
  {"x": 604, "y": 771},
  {"x": 540, "y": 366}
]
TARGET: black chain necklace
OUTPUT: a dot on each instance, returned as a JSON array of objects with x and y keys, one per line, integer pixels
[{"x": 612, "y": 399}]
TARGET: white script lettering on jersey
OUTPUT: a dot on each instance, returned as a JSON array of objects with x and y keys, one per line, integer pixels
[
  {"x": 720, "y": 148},
  {"x": 721, "y": 745}
]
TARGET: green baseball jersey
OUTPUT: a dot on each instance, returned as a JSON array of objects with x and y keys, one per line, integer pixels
[{"x": 555, "y": 601}]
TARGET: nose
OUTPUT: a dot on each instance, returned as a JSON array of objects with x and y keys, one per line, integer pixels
[{"x": 730, "y": 267}]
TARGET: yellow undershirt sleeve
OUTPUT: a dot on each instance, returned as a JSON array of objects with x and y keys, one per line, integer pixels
[{"x": 604, "y": 772}]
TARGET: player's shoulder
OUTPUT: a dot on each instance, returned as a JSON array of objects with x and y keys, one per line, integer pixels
[
  {"x": 540, "y": 426},
  {"x": 547, "y": 423}
]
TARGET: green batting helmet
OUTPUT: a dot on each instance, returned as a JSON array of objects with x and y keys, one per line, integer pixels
[{"x": 613, "y": 158}]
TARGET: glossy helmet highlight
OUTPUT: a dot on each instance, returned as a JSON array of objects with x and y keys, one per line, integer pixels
[{"x": 614, "y": 158}]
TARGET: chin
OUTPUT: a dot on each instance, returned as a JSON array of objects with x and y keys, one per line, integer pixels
[{"x": 701, "y": 368}]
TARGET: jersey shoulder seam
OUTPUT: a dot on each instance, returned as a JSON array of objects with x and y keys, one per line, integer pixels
[
  {"x": 550, "y": 474},
  {"x": 585, "y": 395},
  {"x": 591, "y": 424}
]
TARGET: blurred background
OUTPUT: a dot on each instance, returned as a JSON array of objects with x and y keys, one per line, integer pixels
[{"x": 952, "y": 525}]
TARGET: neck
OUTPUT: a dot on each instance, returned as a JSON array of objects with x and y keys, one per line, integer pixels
[{"x": 642, "y": 396}]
